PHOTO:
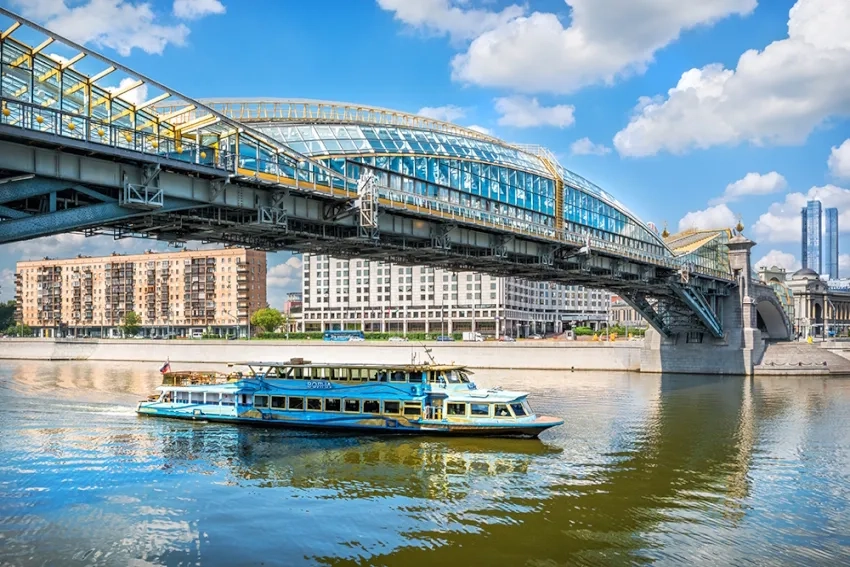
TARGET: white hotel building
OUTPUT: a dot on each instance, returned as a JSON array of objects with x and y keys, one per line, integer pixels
[{"x": 380, "y": 297}]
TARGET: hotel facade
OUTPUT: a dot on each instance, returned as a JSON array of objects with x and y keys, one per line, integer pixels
[
  {"x": 178, "y": 294},
  {"x": 372, "y": 296}
]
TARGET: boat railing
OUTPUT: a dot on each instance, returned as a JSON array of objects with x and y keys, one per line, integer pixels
[{"x": 197, "y": 378}]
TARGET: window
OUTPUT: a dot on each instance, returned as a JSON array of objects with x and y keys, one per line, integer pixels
[
  {"x": 296, "y": 403},
  {"x": 333, "y": 404},
  {"x": 501, "y": 410},
  {"x": 371, "y": 406},
  {"x": 392, "y": 408},
  {"x": 261, "y": 401},
  {"x": 479, "y": 410},
  {"x": 278, "y": 402},
  {"x": 519, "y": 411},
  {"x": 412, "y": 410},
  {"x": 397, "y": 376},
  {"x": 456, "y": 409},
  {"x": 314, "y": 404},
  {"x": 352, "y": 406}
]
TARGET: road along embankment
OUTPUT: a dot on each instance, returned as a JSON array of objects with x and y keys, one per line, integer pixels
[{"x": 532, "y": 355}]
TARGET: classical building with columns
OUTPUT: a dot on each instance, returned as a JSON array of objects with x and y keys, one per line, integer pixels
[{"x": 817, "y": 302}]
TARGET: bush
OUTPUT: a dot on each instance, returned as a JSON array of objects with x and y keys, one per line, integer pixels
[{"x": 582, "y": 331}]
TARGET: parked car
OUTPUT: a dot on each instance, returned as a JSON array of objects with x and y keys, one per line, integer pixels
[
  {"x": 356, "y": 339},
  {"x": 445, "y": 339},
  {"x": 398, "y": 339},
  {"x": 535, "y": 336},
  {"x": 507, "y": 339}
]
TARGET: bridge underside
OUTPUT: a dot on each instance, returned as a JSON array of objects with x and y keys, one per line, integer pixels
[{"x": 45, "y": 190}]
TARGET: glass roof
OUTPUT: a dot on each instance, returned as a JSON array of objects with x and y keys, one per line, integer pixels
[{"x": 319, "y": 140}]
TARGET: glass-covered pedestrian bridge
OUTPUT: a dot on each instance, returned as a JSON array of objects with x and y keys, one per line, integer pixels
[{"x": 52, "y": 87}]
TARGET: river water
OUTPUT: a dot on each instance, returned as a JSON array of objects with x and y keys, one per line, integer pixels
[{"x": 658, "y": 470}]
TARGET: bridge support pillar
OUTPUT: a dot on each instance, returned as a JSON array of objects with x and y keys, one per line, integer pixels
[{"x": 736, "y": 352}]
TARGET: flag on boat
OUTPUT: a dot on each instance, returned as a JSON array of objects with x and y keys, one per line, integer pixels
[{"x": 165, "y": 367}]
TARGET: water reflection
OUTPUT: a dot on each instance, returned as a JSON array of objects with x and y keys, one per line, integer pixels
[{"x": 647, "y": 469}]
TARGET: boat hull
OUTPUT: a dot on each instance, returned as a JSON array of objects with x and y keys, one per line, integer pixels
[{"x": 527, "y": 429}]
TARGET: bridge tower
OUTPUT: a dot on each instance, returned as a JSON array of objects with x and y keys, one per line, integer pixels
[{"x": 742, "y": 344}]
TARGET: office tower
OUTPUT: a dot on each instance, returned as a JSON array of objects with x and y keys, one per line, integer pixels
[
  {"x": 804, "y": 256},
  {"x": 179, "y": 293},
  {"x": 831, "y": 243},
  {"x": 811, "y": 236},
  {"x": 378, "y": 296}
]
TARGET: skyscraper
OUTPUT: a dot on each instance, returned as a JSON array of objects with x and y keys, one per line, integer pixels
[
  {"x": 831, "y": 243},
  {"x": 804, "y": 255},
  {"x": 811, "y": 236}
]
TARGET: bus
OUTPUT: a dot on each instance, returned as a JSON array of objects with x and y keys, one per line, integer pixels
[{"x": 342, "y": 336}]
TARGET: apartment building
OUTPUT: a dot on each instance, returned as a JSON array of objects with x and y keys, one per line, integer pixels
[
  {"x": 184, "y": 293},
  {"x": 382, "y": 297}
]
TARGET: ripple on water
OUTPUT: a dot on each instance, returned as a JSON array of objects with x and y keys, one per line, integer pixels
[{"x": 646, "y": 469}]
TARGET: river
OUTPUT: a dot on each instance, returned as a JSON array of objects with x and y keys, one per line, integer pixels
[{"x": 648, "y": 469}]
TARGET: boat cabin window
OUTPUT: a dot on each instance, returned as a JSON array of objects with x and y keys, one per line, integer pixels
[
  {"x": 412, "y": 409},
  {"x": 314, "y": 404},
  {"x": 392, "y": 408},
  {"x": 452, "y": 377},
  {"x": 228, "y": 399},
  {"x": 371, "y": 406},
  {"x": 295, "y": 403},
  {"x": 358, "y": 374},
  {"x": 479, "y": 410},
  {"x": 456, "y": 409},
  {"x": 518, "y": 408},
  {"x": 333, "y": 404},
  {"x": 261, "y": 401},
  {"x": 297, "y": 373},
  {"x": 196, "y": 397},
  {"x": 278, "y": 402},
  {"x": 352, "y": 406},
  {"x": 501, "y": 410},
  {"x": 340, "y": 374},
  {"x": 415, "y": 377}
]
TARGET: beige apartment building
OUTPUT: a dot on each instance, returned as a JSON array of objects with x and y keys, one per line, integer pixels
[
  {"x": 179, "y": 294},
  {"x": 374, "y": 296}
]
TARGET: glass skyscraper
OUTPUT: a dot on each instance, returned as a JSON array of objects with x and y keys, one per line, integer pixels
[
  {"x": 811, "y": 236},
  {"x": 831, "y": 243}
]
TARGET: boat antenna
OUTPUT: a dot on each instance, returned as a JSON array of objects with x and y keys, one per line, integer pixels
[{"x": 428, "y": 352}]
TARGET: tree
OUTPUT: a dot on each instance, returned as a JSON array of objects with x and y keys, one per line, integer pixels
[
  {"x": 268, "y": 319},
  {"x": 19, "y": 330},
  {"x": 7, "y": 314},
  {"x": 131, "y": 324}
]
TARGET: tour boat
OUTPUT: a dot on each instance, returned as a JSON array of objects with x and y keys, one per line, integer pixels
[{"x": 431, "y": 399}]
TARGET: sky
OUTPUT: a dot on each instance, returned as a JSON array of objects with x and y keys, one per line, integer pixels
[{"x": 693, "y": 114}]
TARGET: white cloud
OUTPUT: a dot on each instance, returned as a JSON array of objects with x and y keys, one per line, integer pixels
[
  {"x": 526, "y": 112},
  {"x": 481, "y": 129},
  {"x": 194, "y": 9},
  {"x": 752, "y": 184},
  {"x": 445, "y": 17},
  {"x": 606, "y": 39},
  {"x": 839, "y": 160},
  {"x": 121, "y": 25},
  {"x": 843, "y": 263},
  {"x": 286, "y": 274},
  {"x": 133, "y": 96},
  {"x": 782, "y": 223},
  {"x": 779, "y": 258},
  {"x": 774, "y": 96},
  {"x": 447, "y": 113},
  {"x": 584, "y": 147},
  {"x": 718, "y": 216}
]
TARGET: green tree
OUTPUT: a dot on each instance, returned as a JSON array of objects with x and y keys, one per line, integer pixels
[
  {"x": 19, "y": 330},
  {"x": 7, "y": 314},
  {"x": 132, "y": 323},
  {"x": 268, "y": 319}
]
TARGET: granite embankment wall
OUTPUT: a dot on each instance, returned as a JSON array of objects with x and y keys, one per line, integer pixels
[{"x": 538, "y": 355}]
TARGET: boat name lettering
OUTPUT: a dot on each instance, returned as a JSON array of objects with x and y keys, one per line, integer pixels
[{"x": 319, "y": 385}]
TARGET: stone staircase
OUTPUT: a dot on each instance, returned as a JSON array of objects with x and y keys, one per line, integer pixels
[{"x": 797, "y": 358}]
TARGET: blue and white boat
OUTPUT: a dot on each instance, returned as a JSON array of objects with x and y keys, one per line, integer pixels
[{"x": 428, "y": 399}]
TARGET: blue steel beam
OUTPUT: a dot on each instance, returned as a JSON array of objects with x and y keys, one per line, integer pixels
[
  {"x": 68, "y": 220},
  {"x": 694, "y": 299},
  {"x": 8, "y": 213},
  {"x": 33, "y": 187}
]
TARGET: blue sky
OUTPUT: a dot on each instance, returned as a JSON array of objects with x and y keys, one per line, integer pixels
[{"x": 691, "y": 113}]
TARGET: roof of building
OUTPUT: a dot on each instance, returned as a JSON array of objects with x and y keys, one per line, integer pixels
[{"x": 803, "y": 273}]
